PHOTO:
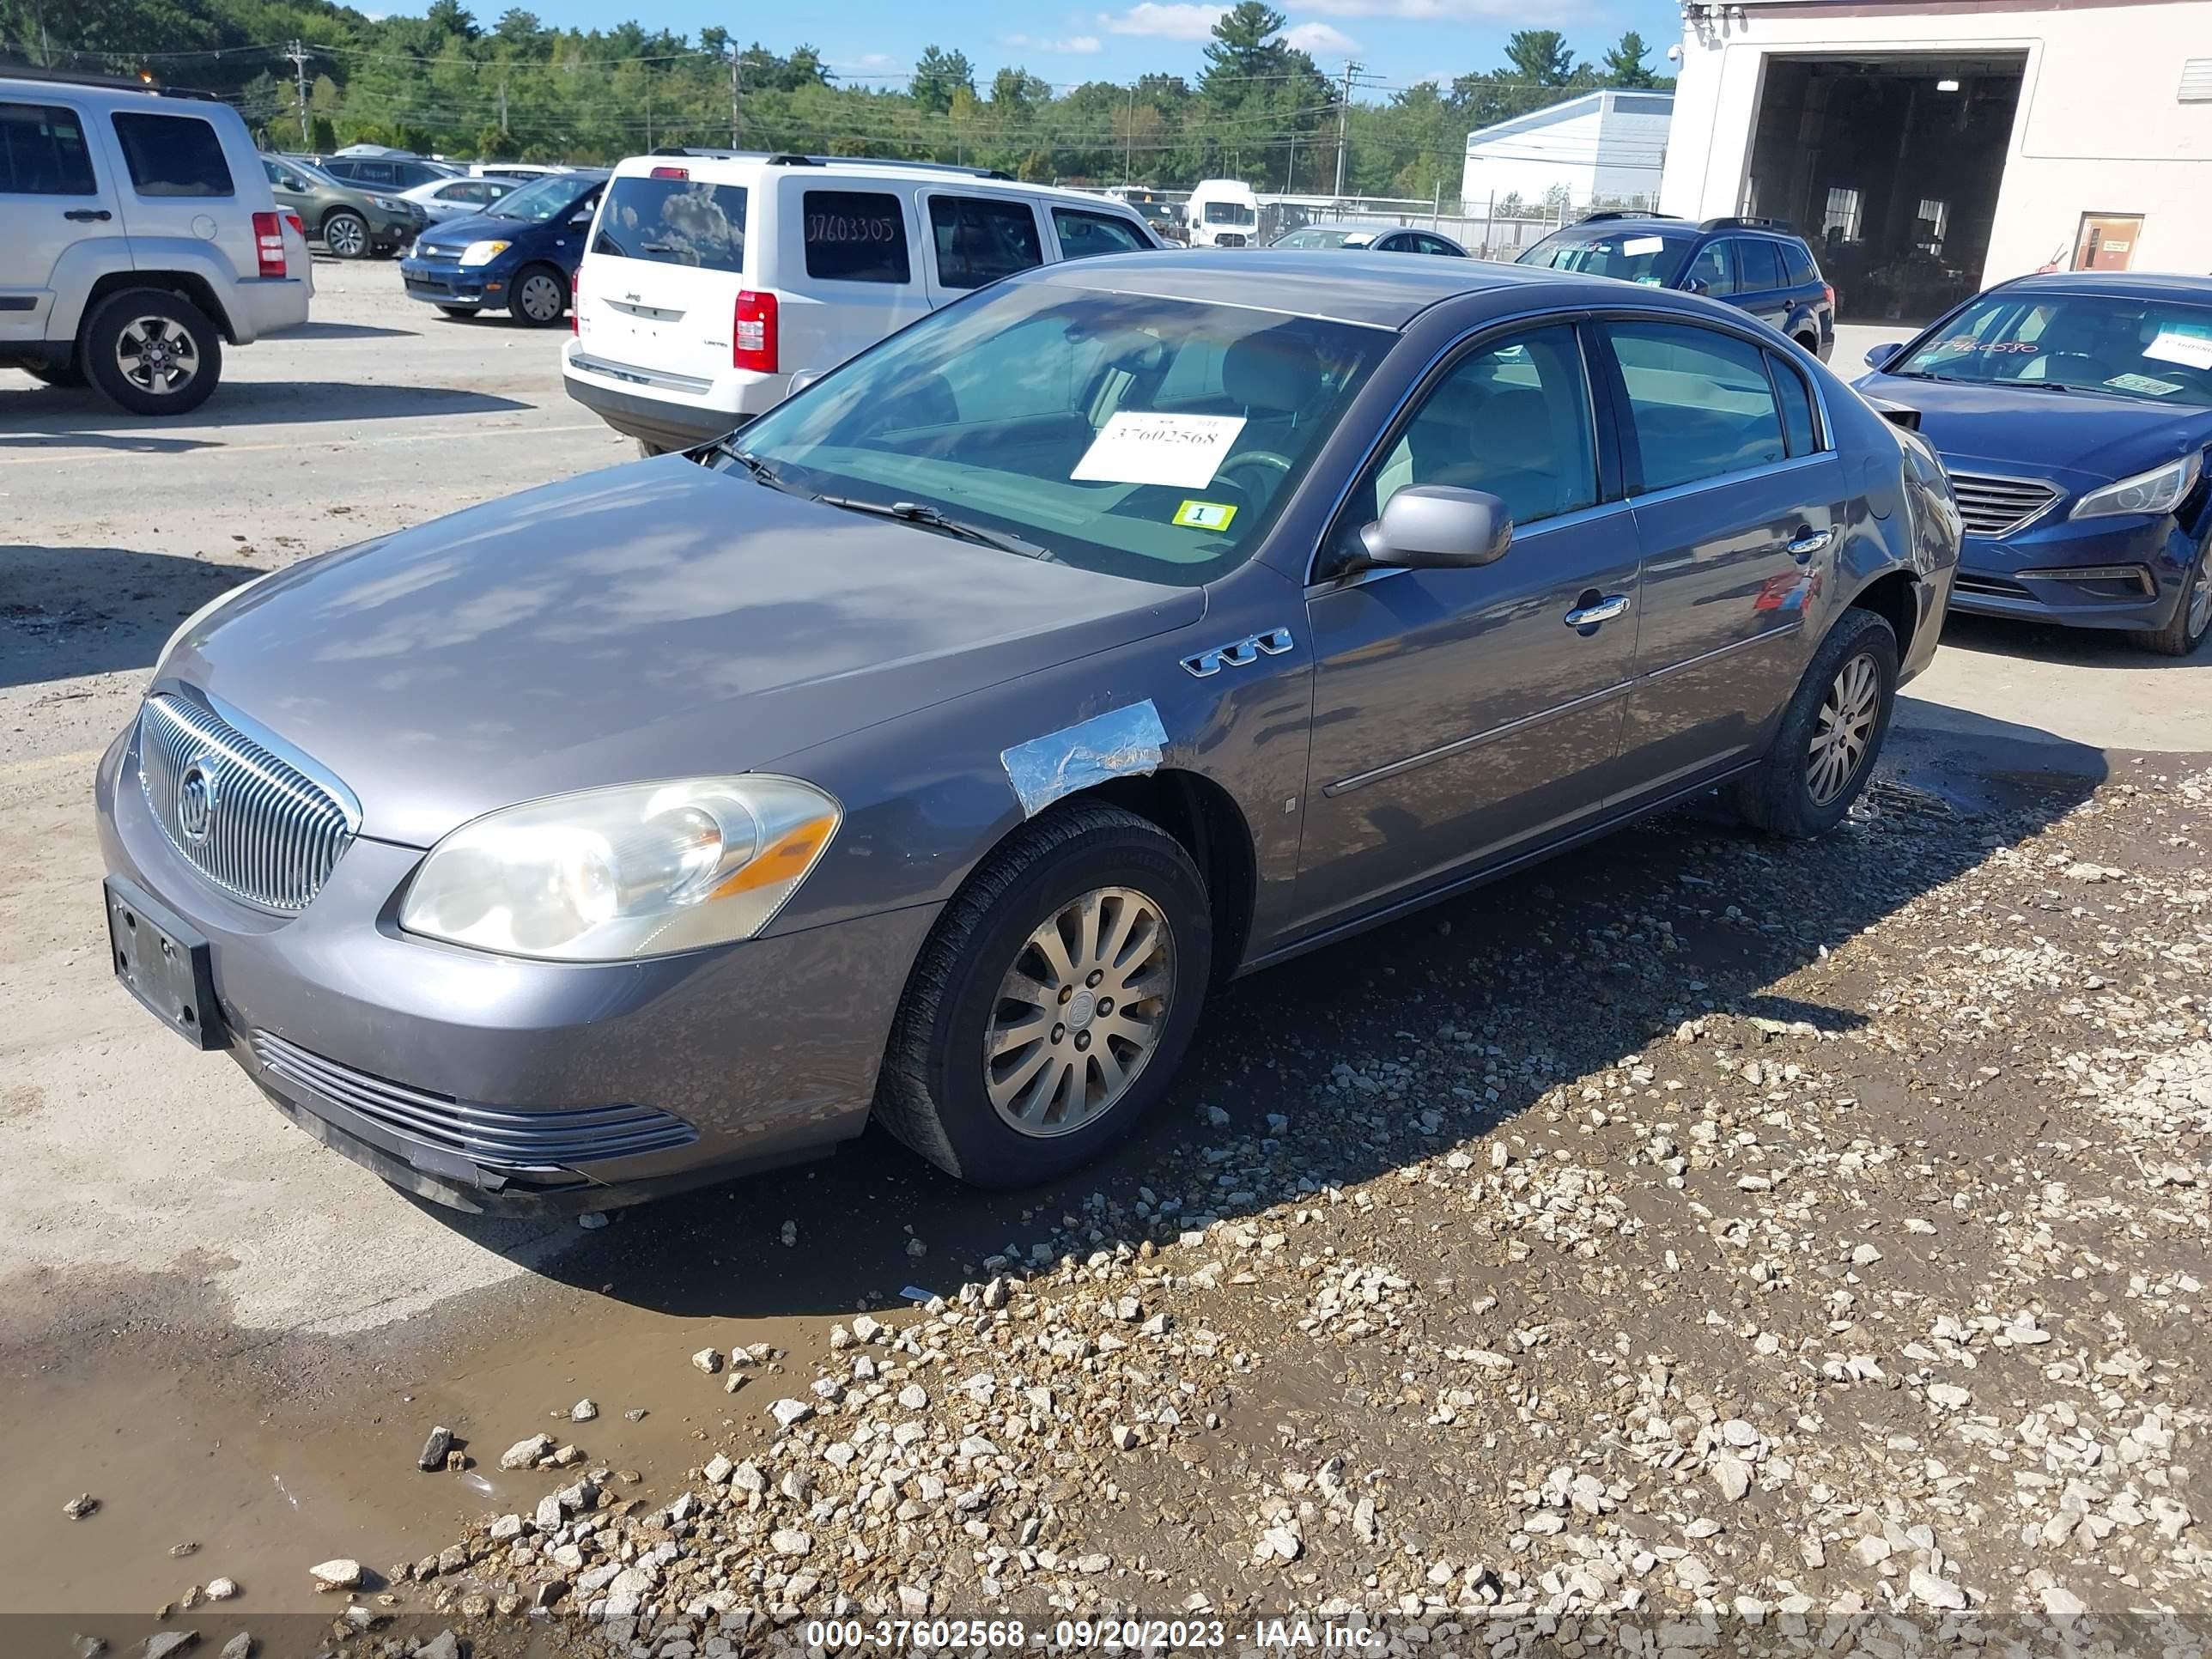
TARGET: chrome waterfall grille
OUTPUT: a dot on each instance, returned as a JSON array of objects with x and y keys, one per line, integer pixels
[
  {"x": 1995, "y": 507},
  {"x": 254, "y": 822}
]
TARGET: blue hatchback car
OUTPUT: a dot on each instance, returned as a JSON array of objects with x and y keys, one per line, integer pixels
[
  {"x": 519, "y": 254},
  {"x": 2073, "y": 412},
  {"x": 1758, "y": 265}
]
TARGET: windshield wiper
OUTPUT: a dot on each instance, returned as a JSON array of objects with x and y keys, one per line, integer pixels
[
  {"x": 2039, "y": 385},
  {"x": 761, "y": 471},
  {"x": 929, "y": 518}
]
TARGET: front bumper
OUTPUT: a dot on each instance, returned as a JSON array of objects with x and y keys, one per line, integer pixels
[
  {"x": 407, "y": 1055},
  {"x": 449, "y": 283},
  {"x": 2030, "y": 576}
]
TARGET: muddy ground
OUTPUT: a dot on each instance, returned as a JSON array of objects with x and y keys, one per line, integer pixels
[{"x": 1387, "y": 1169}]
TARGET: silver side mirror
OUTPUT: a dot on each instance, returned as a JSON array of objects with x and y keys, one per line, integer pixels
[{"x": 1436, "y": 526}]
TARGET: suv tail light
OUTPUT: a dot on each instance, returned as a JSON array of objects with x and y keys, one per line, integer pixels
[
  {"x": 1828, "y": 293},
  {"x": 269, "y": 243},
  {"x": 752, "y": 343}
]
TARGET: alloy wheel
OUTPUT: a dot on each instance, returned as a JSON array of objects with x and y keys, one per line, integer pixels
[
  {"x": 1843, "y": 729},
  {"x": 540, "y": 298},
  {"x": 157, "y": 355},
  {"x": 1080, "y": 1013},
  {"x": 346, "y": 237},
  {"x": 2200, "y": 596}
]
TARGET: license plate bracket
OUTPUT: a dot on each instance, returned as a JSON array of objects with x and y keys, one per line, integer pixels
[{"x": 162, "y": 961}]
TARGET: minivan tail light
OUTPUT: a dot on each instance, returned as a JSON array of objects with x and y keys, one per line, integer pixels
[
  {"x": 671, "y": 173},
  {"x": 752, "y": 344},
  {"x": 576, "y": 304},
  {"x": 269, "y": 243}
]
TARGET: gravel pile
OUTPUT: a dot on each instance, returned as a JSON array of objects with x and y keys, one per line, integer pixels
[{"x": 1852, "y": 1298}]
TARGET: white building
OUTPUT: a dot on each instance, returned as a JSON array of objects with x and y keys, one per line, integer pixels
[
  {"x": 1606, "y": 146},
  {"x": 1928, "y": 148}
]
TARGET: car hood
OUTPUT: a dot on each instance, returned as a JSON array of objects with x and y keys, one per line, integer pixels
[
  {"x": 2080, "y": 440},
  {"x": 479, "y": 227},
  {"x": 655, "y": 620}
]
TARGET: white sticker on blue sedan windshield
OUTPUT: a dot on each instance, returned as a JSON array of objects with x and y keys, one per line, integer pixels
[
  {"x": 1181, "y": 450},
  {"x": 2172, "y": 346},
  {"x": 2145, "y": 383},
  {"x": 1637, "y": 247}
]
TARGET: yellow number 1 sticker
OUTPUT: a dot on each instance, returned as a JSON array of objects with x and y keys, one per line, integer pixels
[{"x": 1205, "y": 515}]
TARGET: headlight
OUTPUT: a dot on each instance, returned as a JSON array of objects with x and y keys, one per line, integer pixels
[
  {"x": 637, "y": 871},
  {"x": 206, "y": 611},
  {"x": 2159, "y": 490},
  {"x": 388, "y": 204},
  {"x": 482, "y": 253}
]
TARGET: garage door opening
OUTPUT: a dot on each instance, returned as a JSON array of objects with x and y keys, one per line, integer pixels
[{"x": 1889, "y": 166}]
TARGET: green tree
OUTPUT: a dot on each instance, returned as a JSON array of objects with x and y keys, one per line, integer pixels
[
  {"x": 1624, "y": 63},
  {"x": 1539, "y": 58},
  {"x": 937, "y": 75},
  {"x": 451, "y": 17}
]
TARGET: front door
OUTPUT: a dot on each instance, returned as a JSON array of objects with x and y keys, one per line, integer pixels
[
  {"x": 54, "y": 194},
  {"x": 1740, "y": 507},
  {"x": 1461, "y": 714},
  {"x": 2106, "y": 241}
]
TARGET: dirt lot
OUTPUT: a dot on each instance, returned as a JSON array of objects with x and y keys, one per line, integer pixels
[{"x": 1693, "y": 1227}]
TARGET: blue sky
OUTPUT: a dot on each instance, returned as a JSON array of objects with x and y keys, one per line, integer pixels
[{"x": 1400, "y": 41}]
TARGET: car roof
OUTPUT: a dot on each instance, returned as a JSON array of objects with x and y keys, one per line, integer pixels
[
  {"x": 743, "y": 167},
  {"x": 2122, "y": 284},
  {"x": 1380, "y": 291}
]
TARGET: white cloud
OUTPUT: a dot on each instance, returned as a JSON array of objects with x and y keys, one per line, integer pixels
[
  {"x": 868, "y": 62},
  {"x": 1319, "y": 38},
  {"x": 1080, "y": 46},
  {"x": 1172, "y": 22}
]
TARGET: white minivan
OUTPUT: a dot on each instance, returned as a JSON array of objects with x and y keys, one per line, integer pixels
[
  {"x": 1222, "y": 213},
  {"x": 712, "y": 276}
]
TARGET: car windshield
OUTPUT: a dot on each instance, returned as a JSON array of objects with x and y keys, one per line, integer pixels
[
  {"x": 1313, "y": 236},
  {"x": 1134, "y": 435},
  {"x": 546, "y": 199},
  {"x": 1649, "y": 257},
  {"x": 1229, "y": 213},
  {"x": 2152, "y": 350}
]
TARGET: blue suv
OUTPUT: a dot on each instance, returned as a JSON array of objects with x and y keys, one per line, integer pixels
[
  {"x": 1758, "y": 265},
  {"x": 520, "y": 254}
]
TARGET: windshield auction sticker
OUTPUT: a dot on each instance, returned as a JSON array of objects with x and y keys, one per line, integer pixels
[
  {"x": 1205, "y": 515},
  {"x": 1181, "y": 450},
  {"x": 2172, "y": 346}
]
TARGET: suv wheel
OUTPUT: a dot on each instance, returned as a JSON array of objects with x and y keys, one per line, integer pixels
[
  {"x": 2192, "y": 616},
  {"x": 1823, "y": 751},
  {"x": 346, "y": 234},
  {"x": 152, "y": 351},
  {"x": 1053, "y": 1002},
  {"x": 537, "y": 296}
]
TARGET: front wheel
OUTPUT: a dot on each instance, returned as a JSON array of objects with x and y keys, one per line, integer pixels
[
  {"x": 538, "y": 297},
  {"x": 152, "y": 351},
  {"x": 346, "y": 235},
  {"x": 1053, "y": 1002},
  {"x": 2192, "y": 617},
  {"x": 1825, "y": 749}
]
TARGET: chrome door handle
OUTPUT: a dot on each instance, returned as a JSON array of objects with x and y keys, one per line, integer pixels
[
  {"x": 1589, "y": 616},
  {"x": 1809, "y": 542}
]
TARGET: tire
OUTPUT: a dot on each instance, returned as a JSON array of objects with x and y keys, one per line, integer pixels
[
  {"x": 345, "y": 234},
  {"x": 1796, "y": 793},
  {"x": 2192, "y": 617},
  {"x": 1811, "y": 344},
  {"x": 178, "y": 378},
  {"x": 933, "y": 1093},
  {"x": 71, "y": 373},
  {"x": 537, "y": 297}
]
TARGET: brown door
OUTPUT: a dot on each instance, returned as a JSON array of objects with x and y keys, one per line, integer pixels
[{"x": 2106, "y": 241}]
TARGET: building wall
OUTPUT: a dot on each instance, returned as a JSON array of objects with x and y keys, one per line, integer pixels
[
  {"x": 1602, "y": 150},
  {"x": 2099, "y": 128}
]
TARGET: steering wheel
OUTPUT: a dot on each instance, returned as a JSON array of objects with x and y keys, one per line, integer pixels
[{"x": 1265, "y": 458}]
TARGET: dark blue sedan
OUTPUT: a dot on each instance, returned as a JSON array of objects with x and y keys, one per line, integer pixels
[
  {"x": 520, "y": 255},
  {"x": 2073, "y": 412}
]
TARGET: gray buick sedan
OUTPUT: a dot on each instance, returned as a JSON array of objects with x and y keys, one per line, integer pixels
[{"x": 930, "y": 748}]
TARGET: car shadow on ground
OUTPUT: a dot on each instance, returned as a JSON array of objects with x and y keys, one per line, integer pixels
[
  {"x": 2079, "y": 647},
  {"x": 1470, "y": 1012},
  {"x": 342, "y": 331},
  {"x": 60, "y": 416},
  {"x": 66, "y": 611}
]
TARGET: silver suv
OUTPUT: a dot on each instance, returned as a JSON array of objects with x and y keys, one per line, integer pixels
[{"x": 141, "y": 239}]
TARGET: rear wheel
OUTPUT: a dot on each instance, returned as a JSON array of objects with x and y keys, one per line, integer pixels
[
  {"x": 152, "y": 351},
  {"x": 537, "y": 296},
  {"x": 1832, "y": 729},
  {"x": 346, "y": 234},
  {"x": 2192, "y": 617},
  {"x": 1053, "y": 1002},
  {"x": 1810, "y": 342}
]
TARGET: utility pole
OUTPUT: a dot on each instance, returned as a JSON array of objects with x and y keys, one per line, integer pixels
[
  {"x": 1129, "y": 134},
  {"x": 298, "y": 54},
  {"x": 1343, "y": 111},
  {"x": 734, "y": 94},
  {"x": 502, "y": 103},
  {"x": 648, "y": 110}
]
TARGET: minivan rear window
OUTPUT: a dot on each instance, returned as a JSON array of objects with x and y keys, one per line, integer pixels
[
  {"x": 855, "y": 236},
  {"x": 674, "y": 222},
  {"x": 174, "y": 155}
]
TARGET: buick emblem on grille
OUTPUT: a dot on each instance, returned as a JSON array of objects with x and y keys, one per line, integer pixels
[{"x": 196, "y": 801}]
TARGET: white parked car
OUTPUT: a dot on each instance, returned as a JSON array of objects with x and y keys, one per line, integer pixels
[
  {"x": 141, "y": 238},
  {"x": 459, "y": 198},
  {"x": 711, "y": 277}
]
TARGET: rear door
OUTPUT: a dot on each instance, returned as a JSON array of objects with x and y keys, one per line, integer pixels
[
  {"x": 664, "y": 264},
  {"x": 974, "y": 241},
  {"x": 1761, "y": 286},
  {"x": 55, "y": 192},
  {"x": 1740, "y": 505},
  {"x": 179, "y": 186}
]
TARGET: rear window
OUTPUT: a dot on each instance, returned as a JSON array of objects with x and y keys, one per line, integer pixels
[
  {"x": 1797, "y": 260},
  {"x": 674, "y": 222},
  {"x": 174, "y": 155},
  {"x": 979, "y": 240},
  {"x": 855, "y": 236},
  {"x": 1082, "y": 235},
  {"x": 42, "y": 152}
]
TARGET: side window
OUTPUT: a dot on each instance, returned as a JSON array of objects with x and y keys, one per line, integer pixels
[
  {"x": 42, "y": 152},
  {"x": 1759, "y": 267},
  {"x": 1796, "y": 406},
  {"x": 981, "y": 238},
  {"x": 855, "y": 236},
  {"x": 1082, "y": 235},
  {"x": 1437, "y": 244},
  {"x": 1714, "y": 268},
  {"x": 171, "y": 155},
  {"x": 1512, "y": 418},
  {"x": 374, "y": 172},
  {"x": 1699, "y": 400},
  {"x": 1797, "y": 261}
]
